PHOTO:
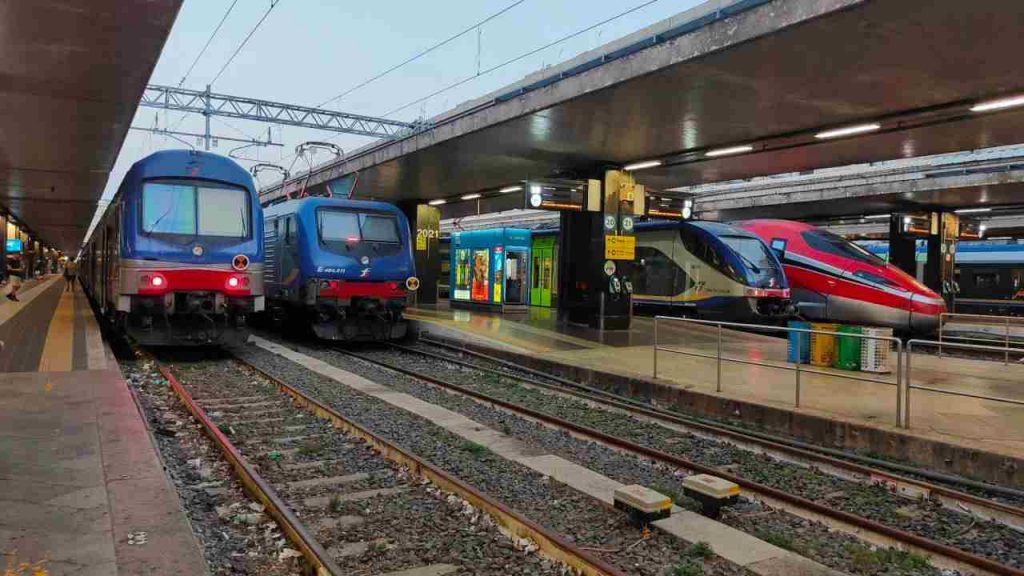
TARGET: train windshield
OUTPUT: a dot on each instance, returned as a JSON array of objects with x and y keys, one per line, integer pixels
[
  {"x": 762, "y": 269},
  {"x": 836, "y": 245},
  {"x": 341, "y": 227},
  {"x": 194, "y": 209}
]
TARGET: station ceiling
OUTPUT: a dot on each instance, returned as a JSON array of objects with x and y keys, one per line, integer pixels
[
  {"x": 770, "y": 77},
  {"x": 71, "y": 75}
]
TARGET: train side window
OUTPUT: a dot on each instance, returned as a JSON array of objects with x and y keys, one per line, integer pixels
[
  {"x": 289, "y": 230},
  {"x": 986, "y": 280},
  {"x": 657, "y": 274}
]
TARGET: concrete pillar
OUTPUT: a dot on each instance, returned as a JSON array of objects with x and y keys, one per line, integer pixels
[
  {"x": 3, "y": 245},
  {"x": 593, "y": 270},
  {"x": 940, "y": 236},
  {"x": 425, "y": 225},
  {"x": 902, "y": 247}
]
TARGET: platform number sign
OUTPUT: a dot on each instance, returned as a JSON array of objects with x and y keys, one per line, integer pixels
[
  {"x": 609, "y": 222},
  {"x": 627, "y": 223}
]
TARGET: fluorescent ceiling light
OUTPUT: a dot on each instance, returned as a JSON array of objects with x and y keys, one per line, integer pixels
[
  {"x": 1000, "y": 237},
  {"x": 848, "y": 131},
  {"x": 728, "y": 151},
  {"x": 508, "y": 189},
  {"x": 877, "y": 216},
  {"x": 972, "y": 210},
  {"x": 998, "y": 104},
  {"x": 437, "y": 202},
  {"x": 642, "y": 165},
  {"x": 470, "y": 196}
]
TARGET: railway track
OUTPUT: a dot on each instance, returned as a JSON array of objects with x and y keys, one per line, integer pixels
[
  {"x": 351, "y": 501},
  {"x": 993, "y": 518}
]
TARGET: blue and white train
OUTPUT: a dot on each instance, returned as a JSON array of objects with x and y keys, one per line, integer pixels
[
  {"x": 177, "y": 257},
  {"x": 343, "y": 267},
  {"x": 710, "y": 270}
]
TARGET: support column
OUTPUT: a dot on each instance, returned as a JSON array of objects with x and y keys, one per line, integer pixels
[
  {"x": 596, "y": 256},
  {"x": 902, "y": 246},
  {"x": 425, "y": 226},
  {"x": 3, "y": 245}
]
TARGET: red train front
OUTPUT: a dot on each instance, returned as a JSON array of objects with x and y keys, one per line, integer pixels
[{"x": 833, "y": 279}]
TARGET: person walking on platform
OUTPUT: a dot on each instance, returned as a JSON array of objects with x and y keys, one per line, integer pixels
[
  {"x": 70, "y": 272},
  {"x": 15, "y": 273}
]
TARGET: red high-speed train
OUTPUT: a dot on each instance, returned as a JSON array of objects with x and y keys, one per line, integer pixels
[{"x": 835, "y": 280}]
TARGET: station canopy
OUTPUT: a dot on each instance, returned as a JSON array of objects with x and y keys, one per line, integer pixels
[
  {"x": 73, "y": 73},
  {"x": 771, "y": 76}
]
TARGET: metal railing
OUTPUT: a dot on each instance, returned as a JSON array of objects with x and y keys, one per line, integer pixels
[
  {"x": 980, "y": 320},
  {"x": 934, "y": 344},
  {"x": 791, "y": 366}
]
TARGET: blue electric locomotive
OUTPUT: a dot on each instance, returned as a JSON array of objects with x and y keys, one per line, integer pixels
[
  {"x": 344, "y": 267},
  {"x": 176, "y": 257}
]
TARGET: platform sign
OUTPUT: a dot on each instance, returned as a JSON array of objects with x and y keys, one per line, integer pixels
[
  {"x": 562, "y": 195},
  {"x": 620, "y": 247}
]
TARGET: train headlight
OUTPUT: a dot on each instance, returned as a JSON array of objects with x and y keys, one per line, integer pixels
[
  {"x": 237, "y": 282},
  {"x": 152, "y": 283},
  {"x": 412, "y": 283}
]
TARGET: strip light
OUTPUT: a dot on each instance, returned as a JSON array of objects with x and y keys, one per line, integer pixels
[
  {"x": 729, "y": 151},
  {"x": 1000, "y": 104},
  {"x": 848, "y": 131},
  {"x": 508, "y": 189},
  {"x": 972, "y": 210},
  {"x": 437, "y": 202},
  {"x": 642, "y": 165},
  {"x": 470, "y": 196}
]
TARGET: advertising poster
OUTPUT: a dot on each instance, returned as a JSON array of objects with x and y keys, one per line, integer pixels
[{"x": 481, "y": 270}]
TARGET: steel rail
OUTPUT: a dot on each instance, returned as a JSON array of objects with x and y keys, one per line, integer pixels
[
  {"x": 956, "y": 555},
  {"x": 829, "y": 456},
  {"x": 550, "y": 543},
  {"x": 259, "y": 488}
]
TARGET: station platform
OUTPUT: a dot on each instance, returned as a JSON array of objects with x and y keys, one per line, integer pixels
[
  {"x": 80, "y": 480},
  {"x": 761, "y": 375}
]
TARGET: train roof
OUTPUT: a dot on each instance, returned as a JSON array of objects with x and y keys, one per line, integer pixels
[
  {"x": 189, "y": 164},
  {"x": 308, "y": 204}
]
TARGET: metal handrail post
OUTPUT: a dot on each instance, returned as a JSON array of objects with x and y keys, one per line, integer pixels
[
  {"x": 942, "y": 326},
  {"x": 899, "y": 383},
  {"x": 797, "y": 364},
  {"x": 1006, "y": 355},
  {"x": 655, "y": 347},
  {"x": 910, "y": 382},
  {"x": 718, "y": 387}
]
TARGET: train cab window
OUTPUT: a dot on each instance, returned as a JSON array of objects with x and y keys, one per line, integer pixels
[
  {"x": 289, "y": 230},
  {"x": 344, "y": 227},
  {"x": 837, "y": 246},
  {"x": 192, "y": 209}
]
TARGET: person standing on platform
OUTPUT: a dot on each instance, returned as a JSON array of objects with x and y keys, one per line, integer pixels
[
  {"x": 70, "y": 272},
  {"x": 15, "y": 273}
]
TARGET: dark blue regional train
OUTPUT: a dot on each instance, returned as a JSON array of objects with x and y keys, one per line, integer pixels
[
  {"x": 177, "y": 256},
  {"x": 343, "y": 267}
]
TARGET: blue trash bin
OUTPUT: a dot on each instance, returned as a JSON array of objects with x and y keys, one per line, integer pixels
[{"x": 805, "y": 342}]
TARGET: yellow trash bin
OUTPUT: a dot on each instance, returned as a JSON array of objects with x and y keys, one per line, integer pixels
[{"x": 823, "y": 346}]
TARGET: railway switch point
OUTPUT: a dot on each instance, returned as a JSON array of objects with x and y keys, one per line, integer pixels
[
  {"x": 642, "y": 504},
  {"x": 712, "y": 492}
]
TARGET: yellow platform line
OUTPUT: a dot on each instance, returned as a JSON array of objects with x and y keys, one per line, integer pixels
[{"x": 57, "y": 355}]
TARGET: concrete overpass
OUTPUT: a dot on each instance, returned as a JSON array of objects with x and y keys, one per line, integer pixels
[
  {"x": 767, "y": 74},
  {"x": 72, "y": 75}
]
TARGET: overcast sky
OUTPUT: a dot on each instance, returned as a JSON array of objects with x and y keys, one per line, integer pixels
[{"x": 307, "y": 51}]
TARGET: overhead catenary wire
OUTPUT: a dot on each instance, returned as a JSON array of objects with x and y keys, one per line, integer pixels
[
  {"x": 273, "y": 4},
  {"x": 208, "y": 42},
  {"x": 508, "y": 62},
  {"x": 521, "y": 56},
  {"x": 421, "y": 54}
]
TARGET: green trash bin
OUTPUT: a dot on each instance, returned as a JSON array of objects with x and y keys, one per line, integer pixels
[{"x": 848, "y": 348}]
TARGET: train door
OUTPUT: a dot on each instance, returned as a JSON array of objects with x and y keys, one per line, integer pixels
[
  {"x": 542, "y": 272},
  {"x": 515, "y": 272},
  {"x": 289, "y": 269}
]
